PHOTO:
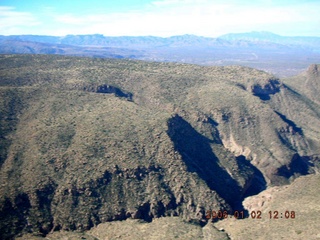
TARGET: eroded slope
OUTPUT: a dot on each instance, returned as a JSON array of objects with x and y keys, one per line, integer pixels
[{"x": 85, "y": 141}]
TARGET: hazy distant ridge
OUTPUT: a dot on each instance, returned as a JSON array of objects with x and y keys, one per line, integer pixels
[
  {"x": 280, "y": 55},
  {"x": 181, "y": 40},
  {"x": 274, "y": 38}
]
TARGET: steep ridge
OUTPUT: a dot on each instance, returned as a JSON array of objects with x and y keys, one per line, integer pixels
[
  {"x": 298, "y": 104},
  {"x": 307, "y": 83},
  {"x": 190, "y": 139}
]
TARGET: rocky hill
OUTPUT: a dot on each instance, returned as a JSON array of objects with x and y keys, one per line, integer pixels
[{"x": 86, "y": 141}]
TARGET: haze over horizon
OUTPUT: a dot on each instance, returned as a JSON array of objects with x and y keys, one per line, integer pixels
[{"x": 161, "y": 18}]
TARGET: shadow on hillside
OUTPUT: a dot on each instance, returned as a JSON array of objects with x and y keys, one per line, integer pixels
[
  {"x": 299, "y": 165},
  {"x": 290, "y": 123},
  {"x": 197, "y": 154},
  {"x": 257, "y": 182}
]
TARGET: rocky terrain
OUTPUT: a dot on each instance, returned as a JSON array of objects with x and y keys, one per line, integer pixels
[
  {"x": 88, "y": 141},
  {"x": 297, "y": 218},
  {"x": 296, "y": 204}
]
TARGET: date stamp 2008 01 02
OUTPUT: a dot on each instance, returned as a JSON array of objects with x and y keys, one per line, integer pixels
[{"x": 211, "y": 214}]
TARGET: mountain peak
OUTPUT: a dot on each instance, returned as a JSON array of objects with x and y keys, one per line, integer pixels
[{"x": 313, "y": 70}]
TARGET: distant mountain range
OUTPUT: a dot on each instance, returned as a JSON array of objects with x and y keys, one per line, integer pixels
[
  {"x": 268, "y": 37},
  {"x": 228, "y": 40},
  {"x": 280, "y": 55}
]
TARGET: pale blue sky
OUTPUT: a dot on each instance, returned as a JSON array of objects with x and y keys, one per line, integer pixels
[{"x": 164, "y": 18}]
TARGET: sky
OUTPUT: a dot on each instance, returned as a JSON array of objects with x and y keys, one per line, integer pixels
[{"x": 164, "y": 18}]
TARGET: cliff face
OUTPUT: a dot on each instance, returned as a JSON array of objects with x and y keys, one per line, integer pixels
[{"x": 189, "y": 140}]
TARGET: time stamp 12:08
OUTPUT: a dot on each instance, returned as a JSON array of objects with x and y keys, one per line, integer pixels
[{"x": 211, "y": 214}]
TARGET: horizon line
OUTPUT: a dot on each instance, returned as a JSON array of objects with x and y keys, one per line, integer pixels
[{"x": 186, "y": 34}]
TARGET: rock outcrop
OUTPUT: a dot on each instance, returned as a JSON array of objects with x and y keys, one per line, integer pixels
[
  {"x": 107, "y": 89},
  {"x": 264, "y": 90}
]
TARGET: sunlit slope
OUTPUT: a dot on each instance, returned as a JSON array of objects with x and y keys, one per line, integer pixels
[
  {"x": 84, "y": 141},
  {"x": 294, "y": 213}
]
